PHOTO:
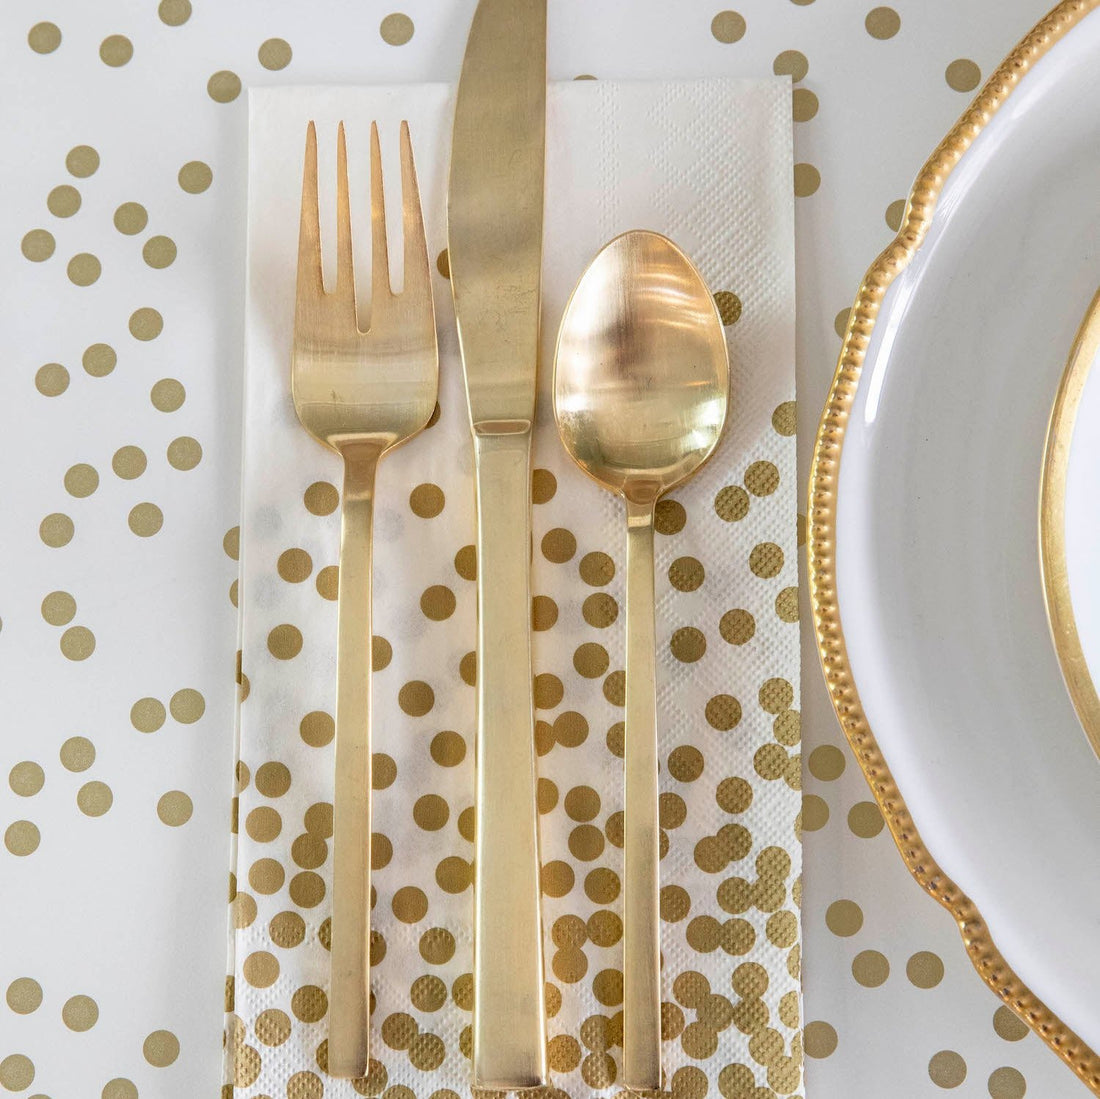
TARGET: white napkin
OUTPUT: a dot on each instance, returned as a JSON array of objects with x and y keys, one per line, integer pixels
[{"x": 708, "y": 163}]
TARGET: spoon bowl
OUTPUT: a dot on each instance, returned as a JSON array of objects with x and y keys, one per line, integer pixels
[
  {"x": 641, "y": 374},
  {"x": 641, "y": 391}
]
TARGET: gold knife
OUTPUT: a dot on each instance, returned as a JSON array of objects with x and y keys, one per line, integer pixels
[{"x": 494, "y": 216}]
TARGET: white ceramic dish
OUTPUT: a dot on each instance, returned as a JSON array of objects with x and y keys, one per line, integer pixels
[{"x": 924, "y": 538}]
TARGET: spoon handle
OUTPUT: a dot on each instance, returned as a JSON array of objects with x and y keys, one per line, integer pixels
[{"x": 641, "y": 945}]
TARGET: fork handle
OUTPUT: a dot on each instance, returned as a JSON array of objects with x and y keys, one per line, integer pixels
[
  {"x": 349, "y": 995},
  {"x": 509, "y": 1040},
  {"x": 641, "y": 835}
]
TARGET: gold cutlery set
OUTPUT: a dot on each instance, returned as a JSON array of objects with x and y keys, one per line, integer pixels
[{"x": 641, "y": 382}]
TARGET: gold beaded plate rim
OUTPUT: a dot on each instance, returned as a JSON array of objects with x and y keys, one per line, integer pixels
[{"x": 821, "y": 548}]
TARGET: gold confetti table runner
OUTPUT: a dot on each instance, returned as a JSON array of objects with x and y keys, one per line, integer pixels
[{"x": 709, "y": 163}]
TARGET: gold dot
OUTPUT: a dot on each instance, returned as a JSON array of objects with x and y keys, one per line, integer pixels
[
  {"x": 427, "y": 500},
  {"x": 116, "y": 50},
  {"x": 416, "y": 698},
  {"x": 328, "y": 585},
  {"x": 77, "y": 643},
  {"x": 827, "y": 763},
  {"x": 224, "y": 86},
  {"x": 119, "y": 1088},
  {"x": 453, "y": 874},
  {"x": 309, "y": 1004},
  {"x": 272, "y": 1027},
  {"x": 443, "y": 263},
  {"x": 882, "y": 23},
  {"x": 1009, "y": 1026},
  {"x": 26, "y": 778},
  {"x": 63, "y": 201},
  {"x": 410, "y": 904},
  {"x": 791, "y": 63},
  {"x": 437, "y": 946},
  {"x": 870, "y": 968},
  {"x": 131, "y": 218},
  {"x": 58, "y": 608},
  {"x": 894, "y": 214},
  {"x": 295, "y": 565},
  {"x": 947, "y": 1069},
  {"x": 762, "y": 478},
  {"x": 383, "y": 771},
  {"x": 94, "y": 798},
  {"x": 669, "y": 517},
  {"x": 146, "y": 324},
  {"x": 776, "y": 695},
  {"x": 448, "y": 749},
  {"x": 261, "y": 969},
  {"x": 597, "y": 569},
  {"x": 187, "y": 705},
  {"x": 317, "y": 728},
  {"x": 167, "y": 395},
  {"x": 963, "y": 75},
  {"x": 16, "y": 1072},
  {"x": 586, "y": 842},
  {"x": 699, "y": 1040},
  {"x": 729, "y": 306},
  {"x": 147, "y": 715},
  {"x": 557, "y": 878},
  {"x": 770, "y": 762},
  {"x": 273, "y": 779},
  {"x": 22, "y": 838},
  {"x": 786, "y": 605},
  {"x": 815, "y": 813},
  {"x": 159, "y": 252},
  {"x": 865, "y": 819},
  {"x": 287, "y": 929},
  {"x": 737, "y": 627},
  {"x": 81, "y": 480},
  {"x": 559, "y": 545},
  {"x": 175, "y": 808},
  {"x": 38, "y": 245},
  {"x": 543, "y": 486},
  {"x": 161, "y": 1048},
  {"x": 1007, "y": 1083},
  {"x": 924, "y": 969},
  {"x": 844, "y": 918},
  {"x": 688, "y": 644},
  {"x": 284, "y": 642},
  {"x": 266, "y": 876},
  {"x": 544, "y": 613},
  {"x": 24, "y": 995},
  {"x": 723, "y": 712},
  {"x": 80, "y": 1013},
  {"x": 318, "y": 819},
  {"x": 675, "y": 903},
  {"x": 437, "y": 602},
  {"x": 84, "y": 269},
  {"x": 44, "y": 37},
  {"x": 174, "y": 12},
  {"x": 819, "y": 1039},
  {"x": 396, "y": 29},
  {"x": 82, "y": 161},
  {"x": 548, "y": 691},
  {"x": 431, "y": 812},
  {"x": 731, "y": 503},
  {"x": 591, "y": 660},
  {"x": 807, "y": 179},
  {"x": 275, "y": 54},
  {"x": 51, "y": 380},
  {"x": 427, "y": 1052},
  {"x": 728, "y": 27},
  {"x": 129, "y": 462},
  {"x": 195, "y": 177},
  {"x": 804, "y": 105},
  {"x": 570, "y": 729}
]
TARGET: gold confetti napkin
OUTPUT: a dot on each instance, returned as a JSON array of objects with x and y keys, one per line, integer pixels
[{"x": 709, "y": 163}]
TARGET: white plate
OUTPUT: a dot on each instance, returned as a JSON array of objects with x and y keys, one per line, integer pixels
[{"x": 933, "y": 517}]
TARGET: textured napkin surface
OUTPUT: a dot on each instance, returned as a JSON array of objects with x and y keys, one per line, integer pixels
[{"x": 709, "y": 163}]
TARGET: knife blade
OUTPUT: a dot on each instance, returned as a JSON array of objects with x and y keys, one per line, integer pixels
[{"x": 494, "y": 228}]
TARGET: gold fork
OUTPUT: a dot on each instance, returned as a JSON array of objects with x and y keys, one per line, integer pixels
[{"x": 360, "y": 393}]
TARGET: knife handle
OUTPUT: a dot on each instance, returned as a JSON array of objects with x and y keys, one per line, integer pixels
[{"x": 509, "y": 1039}]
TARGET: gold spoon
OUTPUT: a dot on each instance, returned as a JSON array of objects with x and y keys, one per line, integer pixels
[{"x": 641, "y": 389}]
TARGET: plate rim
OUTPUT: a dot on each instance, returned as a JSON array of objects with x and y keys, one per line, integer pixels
[
  {"x": 1052, "y": 525},
  {"x": 988, "y": 961}
]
